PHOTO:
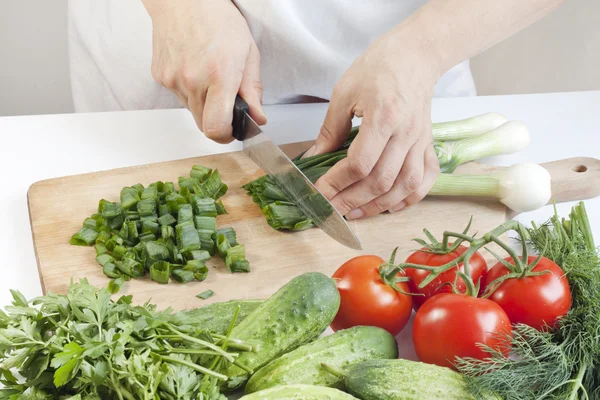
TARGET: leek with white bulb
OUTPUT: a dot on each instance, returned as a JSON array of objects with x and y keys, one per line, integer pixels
[
  {"x": 508, "y": 138},
  {"x": 466, "y": 128},
  {"x": 521, "y": 187}
]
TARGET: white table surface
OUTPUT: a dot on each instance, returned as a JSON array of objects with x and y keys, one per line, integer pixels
[{"x": 47, "y": 146}]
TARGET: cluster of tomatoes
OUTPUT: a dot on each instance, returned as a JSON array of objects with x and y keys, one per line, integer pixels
[{"x": 449, "y": 322}]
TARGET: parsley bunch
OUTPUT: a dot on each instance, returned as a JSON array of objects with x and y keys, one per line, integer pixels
[{"x": 83, "y": 345}]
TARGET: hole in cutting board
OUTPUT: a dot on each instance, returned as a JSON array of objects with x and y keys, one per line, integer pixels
[{"x": 580, "y": 168}]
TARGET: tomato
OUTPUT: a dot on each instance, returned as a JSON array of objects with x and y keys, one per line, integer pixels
[
  {"x": 477, "y": 266},
  {"x": 451, "y": 325},
  {"x": 367, "y": 300},
  {"x": 537, "y": 301}
]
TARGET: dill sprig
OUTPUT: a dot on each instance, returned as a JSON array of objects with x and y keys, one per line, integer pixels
[{"x": 565, "y": 362}]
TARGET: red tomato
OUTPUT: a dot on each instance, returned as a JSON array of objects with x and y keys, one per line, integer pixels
[
  {"x": 533, "y": 300},
  {"x": 367, "y": 300},
  {"x": 477, "y": 266},
  {"x": 450, "y": 325}
]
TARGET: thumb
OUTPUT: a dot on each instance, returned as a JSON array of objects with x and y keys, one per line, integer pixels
[
  {"x": 251, "y": 89},
  {"x": 335, "y": 128}
]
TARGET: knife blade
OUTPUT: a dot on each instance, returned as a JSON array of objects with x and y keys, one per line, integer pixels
[{"x": 269, "y": 157}]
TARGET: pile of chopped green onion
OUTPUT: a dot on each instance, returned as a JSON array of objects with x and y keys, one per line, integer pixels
[
  {"x": 167, "y": 232},
  {"x": 456, "y": 143}
]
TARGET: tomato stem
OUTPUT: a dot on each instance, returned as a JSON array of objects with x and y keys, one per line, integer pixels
[{"x": 435, "y": 247}]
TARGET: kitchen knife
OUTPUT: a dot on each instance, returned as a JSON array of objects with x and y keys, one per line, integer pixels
[{"x": 269, "y": 157}]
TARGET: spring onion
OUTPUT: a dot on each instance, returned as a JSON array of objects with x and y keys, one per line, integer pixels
[
  {"x": 160, "y": 230},
  {"x": 205, "y": 295},
  {"x": 456, "y": 142},
  {"x": 508, "y": 138},
  {"x": 522, "y": 187},
  {"x": 466, "y": 128}
]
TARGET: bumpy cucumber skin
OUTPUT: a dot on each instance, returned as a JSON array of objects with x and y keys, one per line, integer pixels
[
  {"x": 217, "y": 317},
  {"x": 405, "y": 380},
  {"x": 299, "y": 392},
  {"x": 296, "y": 314},
  {"x": 341, "y": 350}
]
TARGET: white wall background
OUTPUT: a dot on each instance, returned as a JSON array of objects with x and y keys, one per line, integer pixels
[{"x": 560, "y": 53}]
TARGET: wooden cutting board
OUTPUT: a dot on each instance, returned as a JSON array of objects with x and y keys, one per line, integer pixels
[{"x": 57, "y": 208}]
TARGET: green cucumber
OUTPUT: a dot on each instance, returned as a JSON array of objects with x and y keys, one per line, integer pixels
[
  {"x": 299, "y": 392},
  {"x": 217, "y": 317},
  {"x": 340, "y": 350},
  {"x": 296, "y": 314},
  {"x": 405, "y": 380}
]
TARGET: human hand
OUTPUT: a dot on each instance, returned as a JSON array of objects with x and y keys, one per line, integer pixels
[
  {"x": 204, "y": 52},
  {"x": 391, "y": 163}
]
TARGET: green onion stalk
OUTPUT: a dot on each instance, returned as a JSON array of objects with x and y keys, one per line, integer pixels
[{"x": 456, "y": 143}]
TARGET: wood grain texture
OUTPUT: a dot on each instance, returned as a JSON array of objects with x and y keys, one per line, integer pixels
[{"x": 58, "y": 207}]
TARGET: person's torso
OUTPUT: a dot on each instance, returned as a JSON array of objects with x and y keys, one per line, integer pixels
[{"x": 305, "y": 46}]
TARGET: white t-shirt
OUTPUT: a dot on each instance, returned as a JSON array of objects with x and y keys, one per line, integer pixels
[{"x": 305, "y": 47}]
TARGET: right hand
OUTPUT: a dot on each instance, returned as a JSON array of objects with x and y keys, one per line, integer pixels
[{"x": 204, "y": 52}]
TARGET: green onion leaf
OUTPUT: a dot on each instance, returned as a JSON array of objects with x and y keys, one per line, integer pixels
[
  {"x": 167, "y": 219},
  {"x": 187, "y": 237},
  {"x": 173, "y": 201},
  {"x": 163, "y": 209},
  {"x": 201, "y": 255},
  {"x": 187, "y": 182},
  {"x": 205, "y": 223},
  {"x": 119, "y": 252},
  {"x": 203, "y": 207},
  {"x": 110, "y": 269},
  {"x": 206, "y": 241},
  {"x": 185, "y": 213},
  {"x": 235, "y": 259},
  {"x": 155, "y": 251},
  {"x": 150, "y": 227},
  {"x": 199, "y": 269},
  {"x": 146, "y": 207},
  {"x": 211, "y": 187},
  {"x": 100, "y": 249},
  {"x": 103, "y": 259},
  {"x": 167, "y": 232},
  {"x": 160, "y": 272},
  {"x": 146, "y": 237},
  {"x": 103, "y": 236},
  {"x": 222, "y": 245},
  {"x": 200, "y": 172},
  {"x": 130, "y": 267},
  {"x": 115, "y": 285},
  {"x": 151, "y": 192},
  {"x": 220, "y": 207},
  {"x": 182, "y": 275},
  {"x": 139, "y": 187},
  {"x": 91, "y": 224},
  {"x": 132, "y": 230},
  {"x": 84, "y": 237},
  {"x": 230, "y": 235},
  {"x": 129, "y": 197},
  {"x": 205, "y": 295}
]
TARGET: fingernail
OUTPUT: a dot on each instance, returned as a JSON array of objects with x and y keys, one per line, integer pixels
[
  {"x": 397, "y": 207},
  {"x": 310, "y": 151},
  {"x": 355, "y": 214}
]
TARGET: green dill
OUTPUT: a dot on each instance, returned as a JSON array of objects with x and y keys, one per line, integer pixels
[{"x": 563, "y": 364}]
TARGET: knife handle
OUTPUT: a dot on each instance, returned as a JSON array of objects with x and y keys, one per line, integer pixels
[{"x": 240, "y": 110}]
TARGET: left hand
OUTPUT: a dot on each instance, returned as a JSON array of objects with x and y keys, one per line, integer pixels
[{"x": 391, "y": 163}]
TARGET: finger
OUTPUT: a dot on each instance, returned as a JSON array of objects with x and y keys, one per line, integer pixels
[
  {"x": 251, "y": 88},
  {"x": 379, "y": 182},
  {"x": 336, "y": 126},
  {"x": 363, "y": 154},
  {"x": 217, "y": 115},
  {"x": 432, "y": 171},
  {"x": 408, "y": 181},
  {"x": 195, "y": 103}
]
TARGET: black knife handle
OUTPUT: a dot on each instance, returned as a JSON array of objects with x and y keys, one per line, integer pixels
[{"x": 240, "y": 109}]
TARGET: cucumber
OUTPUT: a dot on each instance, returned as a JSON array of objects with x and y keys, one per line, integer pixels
[
  {"x": 296, "y": 314},
  {"x": 299, "y": 392},
  {"x": 405, "y": 380},
  {"x": 217, "y": 317},
  {"x": 340, "y": 351}
]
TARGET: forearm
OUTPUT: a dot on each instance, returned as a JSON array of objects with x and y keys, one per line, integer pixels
[{"x": 455, "y": 30}]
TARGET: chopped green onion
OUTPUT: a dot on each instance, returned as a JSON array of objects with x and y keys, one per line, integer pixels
[
  {"x": 124, "y": 232},
  {"x": 205, "y": 295},
  {"x": 114, "y": 285},
  {"x": 130, "y": 267},
  {"x": 109, "y": 209},
  {"x": 167, "y": 232},
  {"x": 187, "y": 237},
  {"x": 199, "y": 269},
  {"x": 150, "y": 227},
  {"x": 151, "y": 217},
  {"x": 222, "y": 245},
  {"x": 100, "y": 249},
  {"x": 139, "y": 187},
  {"x": 284, "y": 216},
  {"x": 129, "y": 197},
  {"x": 220, "y": 207},
  {"x": 91, "y": 224},
  {"x": 110, "y": 269},
  {"x": 212, "y": 187},
  {"x": 185, "y": 213},
  {"x": 119, "y": 252},
  {"x": 151, "y": 192},
  {"x": 163, "y": 209},
  {"x": 201, "y": 255},
  {"x": 84, "y": 237},
  {"x": 200, "y": 172},
  {"x": 155, "y": 251},
  {"x": 187, "y": 182},
  {"x": 105, "y": 258},
  {"x": 205, "y": 223},
  {"x": 169, "y": 187},
  {"x": 235, "y": 259},
  {"x": 146, "y": 237},
  {"x": 160, "y": 272},
  {"x": 173, "y": 201},
  {"x": 203, "y": 207},
  {"x": 230, "y": 235},
  {"x": 132, "y": 215},
  {"x": 146, "y": 207},
  {"x": 182, "y": 275},
  {"x": 167, "y": 219},
  {"x": 103, "y": 236},
  {"x": 206, "y": 241},
  {"x": 132, "y": 230}
]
